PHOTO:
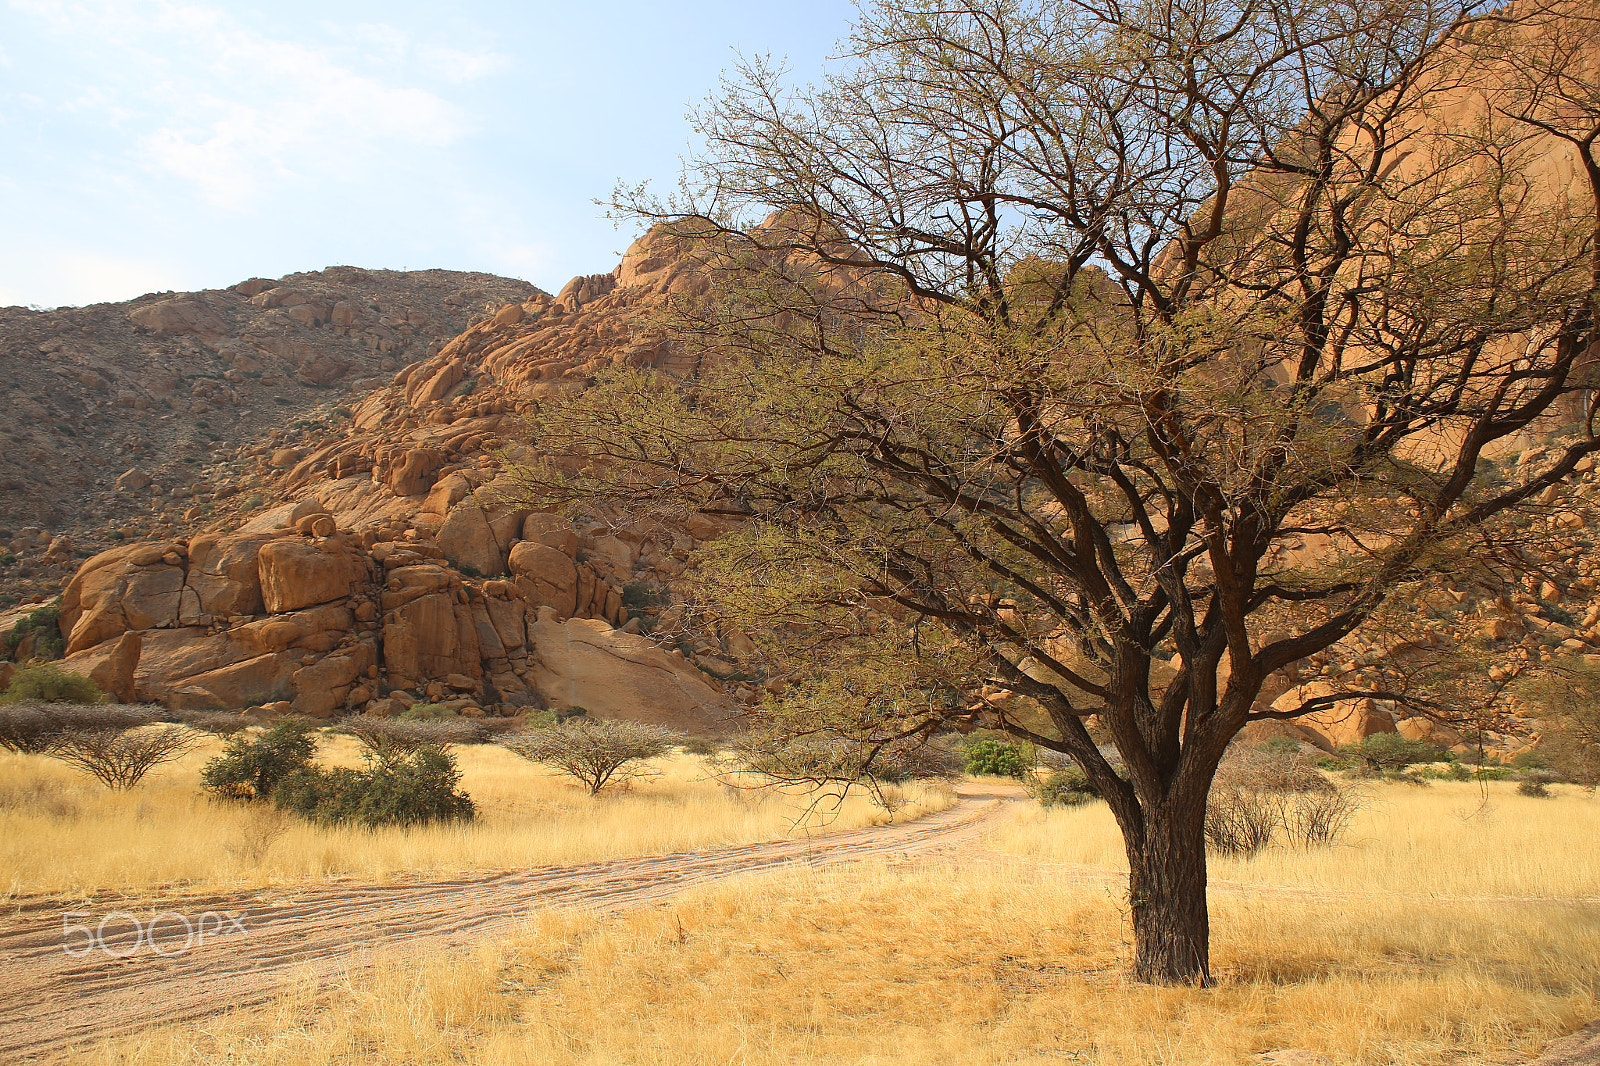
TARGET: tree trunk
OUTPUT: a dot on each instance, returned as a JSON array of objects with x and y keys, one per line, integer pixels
[{"x": 1167, "y": 894}]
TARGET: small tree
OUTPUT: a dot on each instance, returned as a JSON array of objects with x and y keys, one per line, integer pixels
[
  {"x": 250, "y": 767},
  {"x": 32, "y": 728},
  {"x": 119, "y": 758},
  {"x": 597, "y": 752}
]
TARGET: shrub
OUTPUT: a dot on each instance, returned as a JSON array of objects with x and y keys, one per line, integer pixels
[
  {"x": 32, "y": 728},
  {"x": 1067, "y": 787},
  {"x": 394, "y": 787},
  {"x": 595, "y": 752},
  {"x": 699, "y": 746},
  {"x": 1536, "y": 783},
  {"x": 49, "y": 683},
  {"x": 426, "y": 712},
  {"x": 251, "y": 767},
  {"x": 1280, "y": 745},
  {"x": 219, "y": 723},
  {"x": 409, "y": 735},
  {"x": 1259, "y": 795},
  {"x": 997, "y": 758},
  {"x": 118, "y": 758},
  {"x": 45, "y": 625},
  {"x": 1391, "y": 751}
]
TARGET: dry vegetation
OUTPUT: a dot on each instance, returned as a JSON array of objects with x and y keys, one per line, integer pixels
[
  {"x": 1016, "y": 961},
  {"x": 60, "y": 832}
]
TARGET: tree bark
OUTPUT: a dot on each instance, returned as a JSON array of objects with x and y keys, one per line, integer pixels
[{"x": 1167, "y": 895}]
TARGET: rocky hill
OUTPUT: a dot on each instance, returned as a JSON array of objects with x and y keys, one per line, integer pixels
[
  {"x": 361, "y": 554},
  {"x": 122, "y": 416}
]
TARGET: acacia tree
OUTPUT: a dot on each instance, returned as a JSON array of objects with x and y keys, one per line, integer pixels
[{"x": 1035, "y": 332}]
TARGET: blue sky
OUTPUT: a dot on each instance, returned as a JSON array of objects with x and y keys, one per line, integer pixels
[{"x": 185, "y": 144}]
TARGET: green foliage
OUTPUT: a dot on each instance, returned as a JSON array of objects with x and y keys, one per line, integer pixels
[
  {"x": 1279, "y": 746},
  {"x": 427, "y": 712},
  {"x": 45, "y": 625},
  {"x": 1493, "y": 773},
  {"x": 1567, "y": 695},
  {"x": 1068, "y": 787},
  {"x": 393, "y": 787},
  {"x": 1391, "y": 751},
  {"x": 699, "y": 746},
  {"x": 996, "y": 758},
  {"x": 466, "y": 388},
  {"x": 251, "y": 767},
  {"x": 1452, "y": 771},
  {"x": 49, "y": 683}
]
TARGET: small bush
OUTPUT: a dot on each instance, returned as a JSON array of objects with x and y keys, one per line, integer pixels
[
  {"x": 251, "y": 767},
  {"x": 1279, "y": 746},
  {"x": 1068, "y": 787},
  {"x": 426, "y": 712},
  {"x": 218, "y": 723},
  {"x": 1452, "y": 771},
  {"x": 49, "y": 683},
  {"x": 699, "y": 746},
  {"x": 44, "y": 624},
  {"x": 1258, "y": 796},
  {"x": 409, "y": 735},
  {"x": 394, "y": 787},
  {"x": 1391, "y": 751},
  {"x": 1536, "y": 783},
  {"x": 1493, "y": 773},
  {"x": 996, "y": 758},
  {"x": 117, "y": 758}
]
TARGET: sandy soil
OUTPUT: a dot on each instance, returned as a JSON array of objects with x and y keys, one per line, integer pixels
[{"x": 53, "y": 999}]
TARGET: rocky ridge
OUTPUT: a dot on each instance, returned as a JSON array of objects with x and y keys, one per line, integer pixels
[
  {"x": 124, "y": 417},
  {"x": 389, "y": 566}
]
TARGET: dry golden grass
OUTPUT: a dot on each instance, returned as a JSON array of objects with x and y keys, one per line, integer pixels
[
  {"x": 60, "y": 832},
  {"x": 1003, "y": 961},
  {"x": 1452, "y": 839}
]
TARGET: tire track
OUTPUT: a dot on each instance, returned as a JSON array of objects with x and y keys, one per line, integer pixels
[{"x": 54, "y": 1000}]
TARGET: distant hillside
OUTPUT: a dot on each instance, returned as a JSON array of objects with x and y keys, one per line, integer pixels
[{"x": 117, "y": 413}]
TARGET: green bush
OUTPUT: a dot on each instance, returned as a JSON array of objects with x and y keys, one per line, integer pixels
[
  {"x": 1391, "y": 751},
  {"x": 394, "y": 787},
  {"x": 1493, "y": 773},
  {"x": 1279, "y": 746},
  {"x": 252, "y": 767},
  {"x": 49, "y": 683},
  {"x": 44, "y": 624},
  {"x": 1067, "y": 787},
  {"x": 996, "y": 757},
  {"x": 1452, "y": 771}
]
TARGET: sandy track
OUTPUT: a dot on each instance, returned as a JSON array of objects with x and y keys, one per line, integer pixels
[{"x": 52, "y": 999}]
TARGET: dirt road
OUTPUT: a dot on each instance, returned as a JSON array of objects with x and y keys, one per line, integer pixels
[{"x": 63, "y": 982}]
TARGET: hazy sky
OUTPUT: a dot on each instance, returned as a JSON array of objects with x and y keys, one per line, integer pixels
[{"x": 185, "y": 144}]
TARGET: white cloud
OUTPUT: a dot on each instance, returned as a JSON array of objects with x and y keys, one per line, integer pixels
[{"x": 234, "y": 111}]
